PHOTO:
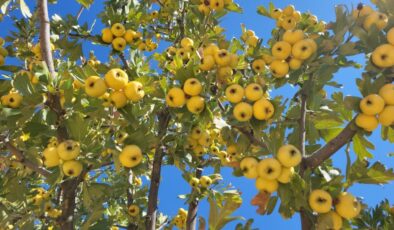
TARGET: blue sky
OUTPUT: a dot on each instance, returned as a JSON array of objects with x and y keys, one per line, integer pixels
[{"x": 172, "y": 183}]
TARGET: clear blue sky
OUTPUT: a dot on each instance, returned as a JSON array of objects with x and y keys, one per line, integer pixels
[{"x": 172, "y": 183}]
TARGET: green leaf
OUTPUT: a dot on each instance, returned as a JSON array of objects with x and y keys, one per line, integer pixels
[
  {"x": 85, "y": 3},
  {"x": 376, "y": 174},
  {"x": 352, "y": 103},
  {"x": 221, "y": 207},
  {"x": 360, "y": 147},
  {"x": 234, "y": 7},
  {"x": 24, "y": 9},
  {"x": 327, "y": 123}
]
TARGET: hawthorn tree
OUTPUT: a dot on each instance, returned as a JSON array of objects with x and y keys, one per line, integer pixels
[{"x": 77, "y": 134}]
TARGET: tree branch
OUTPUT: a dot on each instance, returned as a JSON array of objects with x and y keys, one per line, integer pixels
[
  {"x": 193, "y": 207},
  {"x": 150, "y": 222},
  {"x": 45, "y": 42},
  {"x": 125, "y": 63},
  {"x": 251, "y": 137}
]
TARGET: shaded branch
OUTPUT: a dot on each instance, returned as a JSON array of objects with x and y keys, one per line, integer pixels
[
  {"x": 125, "y": 63},
  {"x": 251, "y": 137},
  {"x": 193, "y": 207}
]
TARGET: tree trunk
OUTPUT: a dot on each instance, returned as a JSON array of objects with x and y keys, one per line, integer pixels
[{"x": 193, "y": 207}]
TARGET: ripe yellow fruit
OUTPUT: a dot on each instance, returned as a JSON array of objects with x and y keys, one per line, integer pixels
[
  {"x": 187, "y": 42},
  {"x": 279, "y": 68},
  {"x": 205, "y": 181},
  {"x": 263, "y": 109},
  {"x": 258, "y": 65},
  {"x": 192, "y": 87},
  {"x": 207, "y": 63},
  {"x": 269, "y": 168},
  {"x": 130, "y": 156},
  {"x": 288, "y": 23},
  {"x": 252, "y": 41},
  {"x": 286, "y": 175},
  {"x": 72, "y": 168},
  {"x": 348, "y": 206},
  {"x": 372, "y": 104},
  {"x": 293, "y": 36},
  {"x": 204, "y": 139},
  {"x": 95, "y": 86},
  {"x": 222, "y": 58},
  {"x": 276, "y": 13},
  {"x": 248, "y": 165},
  {"x": 195, "y": 104},
  {"x": 243, "y": 111},
  {"x": 118, "y": 99},
  {"x": 362, "y": 11},
  {"x": 50, "y": 157},
  {"x": 14, "y": 99},
  {"x": 194, "y": 182},
  {"x": 320, "y": 201},
  {"x": 133, "y": 210},
  {"x": 330, "y": 220},
  {"x": 216, "y": 4},
  {"x": 118, "y": 29},
  {"x": 295, "y": 63},
  {"x": 289, "y": 10},
  {"x": 134, "y": 91},
  {"x": 106, "y": 35},
  {"x": 176, "y": 97},
  {"x": 129, "y": 36},
  {"x": 302, "y": 50},
  {"x": 119, "y": 44},
  {"x": 253, "y": 92},
  {"x": 266, "y": 185},
  {"x": 210, "y": 50},
  {"x": 281, "y": 50},
  {"x": 390, "y": 36},
  {"x": 196, "y": 133},
  {"x": 386, "y": 117},
  {"x": 183, "y": 53},
  {"x": 289, "y": 156},
  {"x": 297, "y": 16},
  {"x": 68, "y": 150},
  {"x": 380, "y": 20},
  {"x": 387, "y": 93},
  {"x": 199, "y": 151},
  {"x": 367, "y": 122},
  {"x": 116, "y": 79},
  {"x": 204, "y": 9},
  {"x": 383, "y": 56},
  {"x": 224, "y": 73}
]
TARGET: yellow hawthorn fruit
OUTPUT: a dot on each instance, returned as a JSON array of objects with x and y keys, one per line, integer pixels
[
  {"x": 252, "y": 41},
  {"x": 199, "y": 151},
  {"x": 50, "y": 157},
  {"x": 313, "y": 20},
  {"x": 191, "y": 143},
  {"x": 210, "y": 50},
  {"x": 14, "y": 99},
  {"x": 380, "y": 20},
  {"x": 386, "y": 117},
  {"x": 293, "y": 36},
  {"x": 258, "y": 65},
  {"x": 362, "y": 11},
  {"x": 295, "y": 63},
  {"x": 204, "y": 9},
  {"x": 347, "y": 206},
  {"x": 116, "y": 79},
  {"x": 248, "y": 166},
  {"x": 222, "y": 58},
  {"x": 383, "y": 56},
  {"x": 119, "y": 44},
  {"x": 225, "y": 72},
  {"x": 330, "y": 220},
  {"x": 205, "y": 181},
  {"x": 267, "y": 58},
  {"x": 266, "y": 185},
  {"x": 196, "y": 133},
  {"x": 289, "y": 156},
  {"x": 367, "y": 122},
  {"x": 207, "y": 63},
  {"x": 204, "y": 139},
  {"x": 194, "y": 182},
  {"x": 68, "y": 150},
  {"x": 2, "y": 61},
  {"x": 183, "y": 53},
  {"x": 195, "y": 104},
  {"x": 286, "y": 175},
  {"x": 129, "y": 36},
  {"x": 288, "y": 10},
  {"x": 134, "y": 91},
  {"x": 279, "y": 68},
  {"x": 281, "y": 50},
  {"x": 4, "y": 51},
  {"x": 176, "y": 97},
  {"x": 4, "y": 100},
  {"x": 253, "y": 92},
  {"x": 216, "y": 4},
  {"x": 192, "y": 87},
  {"x": 215, "y": 150},
  {"x": 276, "y": 13},
  {"x": 263, "y": 109},
  {"x": 187, "y": 42},
  {"x": 302, "y": 50},
  {"x": 269, "y": 168},
  {"x": 133, "y": 210},
  {"x": 243, "y": 111},
  {"x": 320, "y": 201},
  {"x": 387, "y": 93},
  {"x": 118, "y": 29},
  {"x": 288, "y": 23},
  {"x": 72, "y": 168},
  {"x": 390, "y": 36},
  {"x": 312, "y": 43},
  {"x": 130, "y": 156},
  {"x": 297, "y": 16},
  {"x": 106, "y": 100},
  {"x": 232, "y": 151},
  {"x": 118, "y": 99},
  {"x": 372, "y": 104}
]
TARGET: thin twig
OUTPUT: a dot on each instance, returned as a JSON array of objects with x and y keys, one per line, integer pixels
[
  {"x": 251, "y": 137},
  {"x": 80, "y": 12},
  {"x": 193, "y": 207}
]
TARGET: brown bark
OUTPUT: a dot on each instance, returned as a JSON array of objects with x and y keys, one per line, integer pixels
[{"x": 193, "y": 207}]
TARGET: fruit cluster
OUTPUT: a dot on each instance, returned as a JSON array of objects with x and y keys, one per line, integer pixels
[
  {"x": 64, "y": 154},
  {"x": 198, "y": 141},
  {"x": 119, "y": 37},
  {"x": 121, "y": 89},
  {"x": 3, "y": 52},
  {"x": 207, "y": 6},
  {"x": 189, "y": 95},
  {"x": 180, "y": 219},
  {"x": 13, "y": 99},
  {"x": 373, "y": 105},
  {"x": 291, "y": 52},
  {"x": 346, "y": 206},
  {"x": 133, "y": 210},
  {"x": 289, "y": 17},
  {"x": 270, "y": 171},
  {"x": 383, "y": 55},
  {"x": 250, "y": 38},
  {"x": 36, "y": 49},
  {"x": 130, "y": 156},
  {"x": 204, "y": 182},
  {"x": 262, "y": 108},
  {"x": 42, "y": 195},
  {"x": 368, "y": 17}
]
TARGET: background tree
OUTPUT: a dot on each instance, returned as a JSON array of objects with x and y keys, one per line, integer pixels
[{"x": 79, "y": 133}]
